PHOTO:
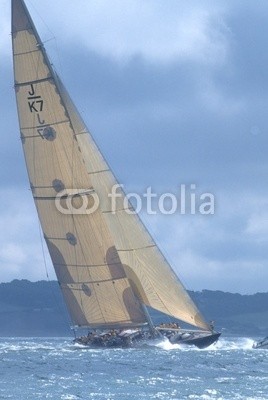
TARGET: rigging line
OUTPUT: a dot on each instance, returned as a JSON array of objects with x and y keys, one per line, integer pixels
[
  {"x": 40, "y": 16},
  {"x": 49, "y": 40},
  {"x": 74, "y": 228},
  {"x": 49, "y": 280},
  {"x": 53, "y": 38},
  {"x": 43, "y": 251}
]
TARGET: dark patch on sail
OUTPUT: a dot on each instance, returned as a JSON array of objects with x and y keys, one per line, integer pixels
[
  {"x": 86, "y": 289},
  {"x": 22, "y": 138},
  {"x": 32, "y": 188},
  {"x": 133, "y": 306},
  {"x": 199, "y": 321},
  {"x": 75, "y": 309},
  {"x": 58, "y": 185},
  {"x": 130, "y": 298},
  {"x": 20, "y": 20},
  {"x": 59, "y": 263},
  {"x": 136, "y": 285},
  {"x": 71, "y": 238},
  {"x": 114, "y": 264},
  {"x": 49, "y": 133}
]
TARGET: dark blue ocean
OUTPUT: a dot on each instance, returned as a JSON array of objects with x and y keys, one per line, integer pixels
[{"x": 54, "y": 368}]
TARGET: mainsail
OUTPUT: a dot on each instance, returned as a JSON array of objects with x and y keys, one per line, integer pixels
[{"x": 107, "y": 264}]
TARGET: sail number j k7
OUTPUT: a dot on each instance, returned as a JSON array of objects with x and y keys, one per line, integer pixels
[{"x": 36, "y": 103}]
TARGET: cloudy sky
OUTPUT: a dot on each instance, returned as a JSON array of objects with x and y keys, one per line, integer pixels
[{"x": 175, "y": 93}]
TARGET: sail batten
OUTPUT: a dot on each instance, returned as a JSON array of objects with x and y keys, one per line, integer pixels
[
  {"x": 21, "y": 84},
  {"x": 98, "y": 172},
  {"x": 25, "y": 52},
  {"x": 64, "y": 121},
  {"x": 137, "y": 248}
]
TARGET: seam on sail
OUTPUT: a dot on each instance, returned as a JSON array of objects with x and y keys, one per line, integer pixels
[
  {"x": 118, "y": 210},
  {"x": 81, "y": 133},
  {"x": 98, "y": 172},
  {"x": 26, "y": 52},
  {"x": 88, "y": 265},
  {"x": 64, "y": 121},
  {"x": 49, "y": 78},
  {"x": 137, "y": 248},
  {"x": 92, "y": 282},
  {"x": 66, "y": 196}
]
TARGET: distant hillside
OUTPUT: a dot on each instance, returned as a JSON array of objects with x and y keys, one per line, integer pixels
[
  {"x": 32, "y": 309},
  {"x": 37, "y": 309},
  {"x": 233, "y": 312}
]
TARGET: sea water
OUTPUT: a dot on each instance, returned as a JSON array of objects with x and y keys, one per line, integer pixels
[{"x": 55, "y": 368}]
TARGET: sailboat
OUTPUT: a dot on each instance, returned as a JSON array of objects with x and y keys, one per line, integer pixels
[
  {"x": 109, "y": 268},
  {"x": 262, "y": 344}
]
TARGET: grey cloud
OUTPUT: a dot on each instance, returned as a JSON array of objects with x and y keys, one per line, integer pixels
[{"x": 181, "y": 121}]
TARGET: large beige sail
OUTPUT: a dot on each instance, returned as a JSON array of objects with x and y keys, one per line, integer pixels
[
  {"x": 152, "y": 278},
  {"x": 106, "y": 262},
  {"x": 93, "y": 281}
]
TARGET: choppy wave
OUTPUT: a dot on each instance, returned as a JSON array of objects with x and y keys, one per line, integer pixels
[
  {"x": 222, "y": 344},
  {"x": 57, "y": 368},
  {"x": 66, "y": 345}
]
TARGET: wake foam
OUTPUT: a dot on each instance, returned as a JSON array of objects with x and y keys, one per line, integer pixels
[
  {"x": 223, "y": 344},
  {"x": 166, "y": 345},
  {"x": 233, "y": 344}
]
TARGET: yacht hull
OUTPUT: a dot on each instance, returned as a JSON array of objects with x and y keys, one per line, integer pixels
[
  {"x": 200, "y": 340},
  {"x": 131, "y": 338}
]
